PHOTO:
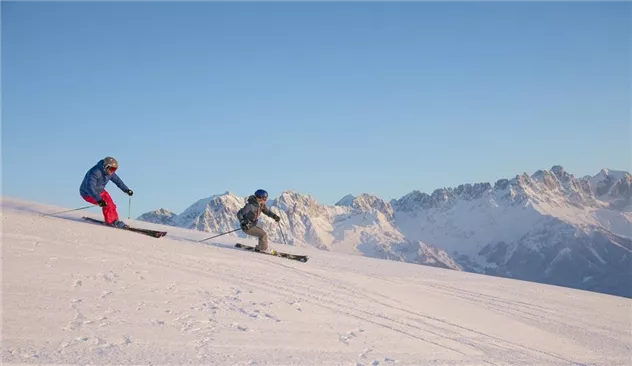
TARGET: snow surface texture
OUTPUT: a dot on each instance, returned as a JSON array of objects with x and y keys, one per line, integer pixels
[
  {"x": 550, "y": 227},
  {"x": 80, "y": 293}
]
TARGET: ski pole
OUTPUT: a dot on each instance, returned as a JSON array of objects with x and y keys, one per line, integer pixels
[
  {"x": 285, "y": 242},
  {"x": 74, "y": 209},
  {"x": 129, "y": 212},
  {"x": 219, "y": 235}
]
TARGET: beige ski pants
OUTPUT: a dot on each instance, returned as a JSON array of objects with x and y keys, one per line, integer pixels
[{"x": 261, "y": 235}]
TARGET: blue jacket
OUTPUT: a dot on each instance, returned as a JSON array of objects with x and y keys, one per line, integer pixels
[{"x": 95, "y": 180}]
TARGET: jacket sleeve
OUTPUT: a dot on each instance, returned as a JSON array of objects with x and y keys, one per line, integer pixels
[
  {"x": 267, "y": 211},
  {"x": 246, "y": 213},
  {"x": 115, "y": 178},
  {"x": 92, "y": 186}
]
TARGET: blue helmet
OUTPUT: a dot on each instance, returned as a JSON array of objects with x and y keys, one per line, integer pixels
[{"x": 260, "y": 193}]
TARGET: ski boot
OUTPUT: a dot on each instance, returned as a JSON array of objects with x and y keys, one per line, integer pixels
[
  {"x": 119, "y": 224},
  {"x": 267, "y": 251}
]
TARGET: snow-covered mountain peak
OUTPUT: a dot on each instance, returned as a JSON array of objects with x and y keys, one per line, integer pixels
[
  {"x": 567, "y": 181},
  {"x": 501, "y": 184},
  {"x": 559, "y": 171},
  {"x": 411, "y": 201},
  {"x": 613, "y": 174},
  {"x": 539, "y": 175},
  {"x": 546, "y": 179},
  {"x": 161, "y": 212},
  {"x": 522, "y": 180},
  {"x": 346, "y": 200},
  {"x": 612, "y": 183},
  {"x": 420, "y": 200},
  {"x": 208, "y": 213},
  {"x": 555, "y": 184},
  {"x": 226, "y": 199},
  {"x": 212, "y": 201},
  {"x": 290, "y": 202},
  {"x": 160, "y": 216},
  {"x": 469, "y": 192},
  {"x": 367, "y": 202},
  {"x": 442, "y": 197}
]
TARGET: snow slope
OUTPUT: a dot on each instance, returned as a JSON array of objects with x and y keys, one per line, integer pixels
[{"x": 78, "y": 293}]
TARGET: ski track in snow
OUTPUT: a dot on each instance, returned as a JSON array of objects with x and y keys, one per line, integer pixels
[{"x": 76, "y": 293}]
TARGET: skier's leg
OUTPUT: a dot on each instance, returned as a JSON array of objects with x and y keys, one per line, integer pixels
[
  {"x": 109, "y": 211},
  {"x": 94, "y": 202},
  {"x": 89, "y": 199},
  {"x": 261, "y": 235}
]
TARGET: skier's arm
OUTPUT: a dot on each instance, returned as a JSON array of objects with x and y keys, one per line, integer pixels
[
  {"x": 269, "y": 213},
  {"x": 115, "y": 178}
]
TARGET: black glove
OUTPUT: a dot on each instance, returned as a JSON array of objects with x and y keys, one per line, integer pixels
[
  {"x": 101, "y": 203},
  {"x": 276, "y": 218},
  {"x": 129, "y": 192},
  {"x": 245, "y": 225}
]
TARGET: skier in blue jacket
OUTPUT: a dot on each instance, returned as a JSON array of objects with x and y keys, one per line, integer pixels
[{"x": 93, "y": 189}]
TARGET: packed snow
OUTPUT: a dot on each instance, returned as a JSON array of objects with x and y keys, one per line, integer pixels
[{"x": 80, "y": 293}]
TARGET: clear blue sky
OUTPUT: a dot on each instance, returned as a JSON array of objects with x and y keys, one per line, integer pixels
[{"x": 326, "y": 99}]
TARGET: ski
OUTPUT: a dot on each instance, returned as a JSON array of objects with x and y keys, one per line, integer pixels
[
  {"x": 296, "y": 257},
  {"x": 152, "y": 233}
]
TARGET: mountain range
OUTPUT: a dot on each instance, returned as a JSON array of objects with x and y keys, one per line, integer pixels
[{"x": 548, "y": 227}]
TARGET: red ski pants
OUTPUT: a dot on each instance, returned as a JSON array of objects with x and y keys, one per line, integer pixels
[{"x": 109, "y": 211}]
